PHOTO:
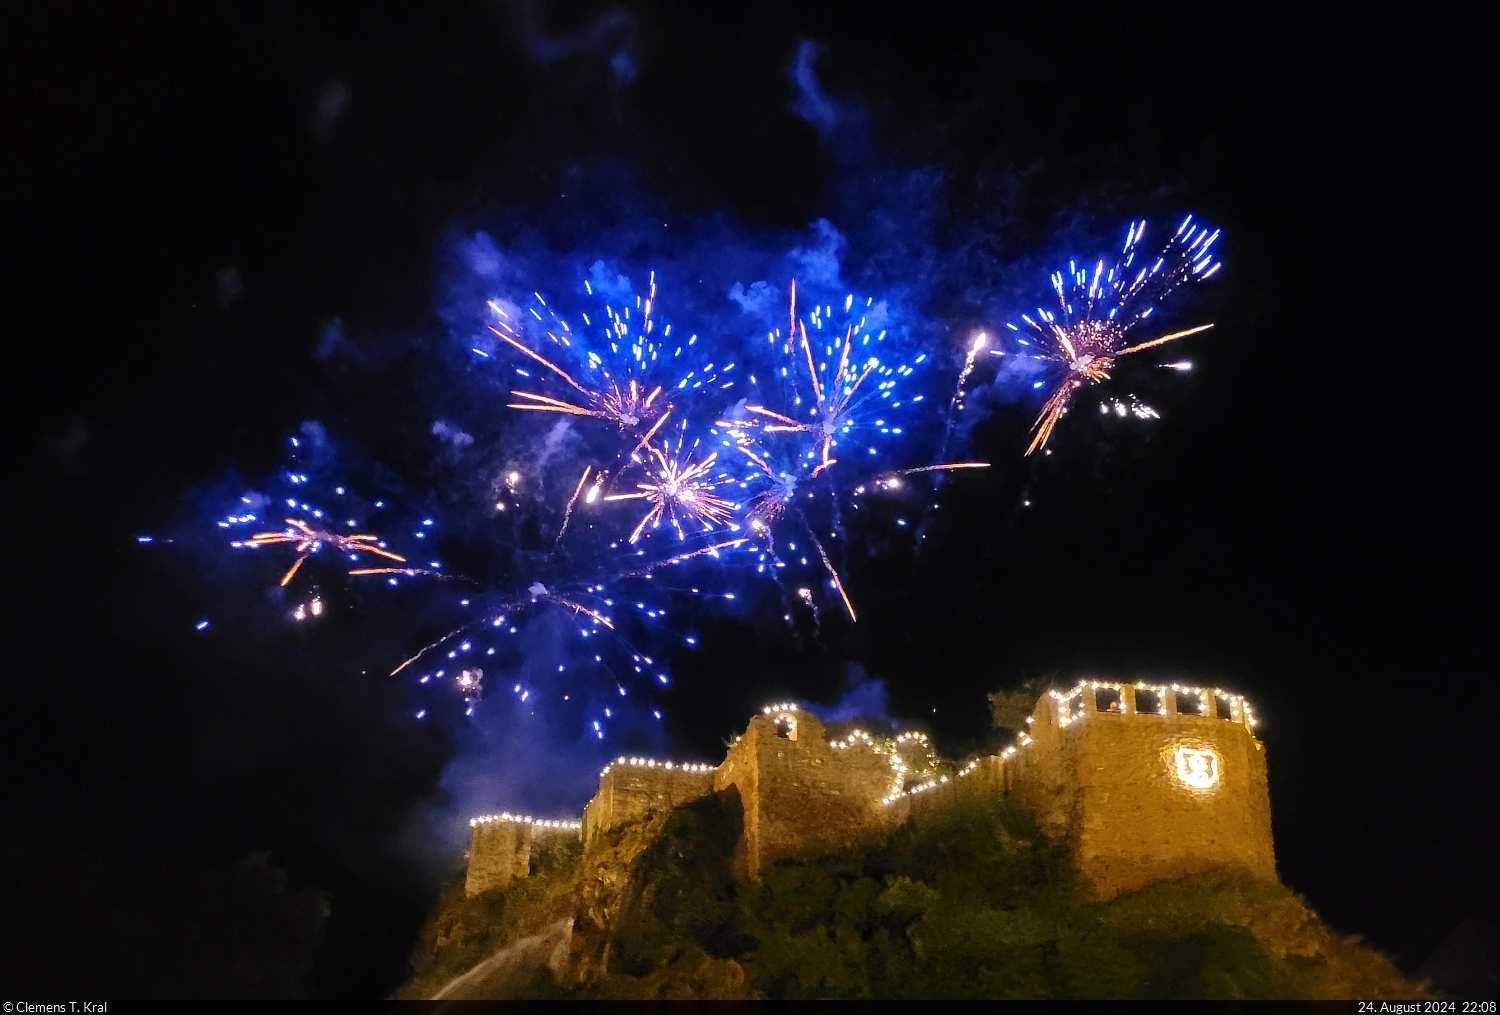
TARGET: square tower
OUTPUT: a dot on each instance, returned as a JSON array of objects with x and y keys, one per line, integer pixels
[
  {"x": 801, "y": 797},
  {"x": 1146, "y": 783},
  {"x": 499, "y": 852},
  {"x": 501, "y": 847}
]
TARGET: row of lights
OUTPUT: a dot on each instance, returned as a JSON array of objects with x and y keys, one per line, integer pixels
[
  {"x": 923, "y": 788},
  {"x": 653, "y": 763},
  {"x": 860, "y": 735},
  {"x": 521, "y": 820},
  {"x": 673, "y": 766},
  {"x": 1239, "y": 708},
  {"x": 898, "y": 767}
]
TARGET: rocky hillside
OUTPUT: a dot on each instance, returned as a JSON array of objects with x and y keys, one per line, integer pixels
[{"x": 972, "y": 903}]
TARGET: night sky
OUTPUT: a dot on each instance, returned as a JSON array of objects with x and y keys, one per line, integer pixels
[{"x": 224, "y": 224}]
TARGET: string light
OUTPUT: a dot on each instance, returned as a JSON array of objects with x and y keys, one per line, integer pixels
[
  {"x": 520, "y": 820},
  {"x": 668, "y": 766},
  {"x": 1239, "y": 708},
  {"x": 923, "y": 788},
  {"x": 892, "y": 749},
  {"x": 1196, "y": 765}
]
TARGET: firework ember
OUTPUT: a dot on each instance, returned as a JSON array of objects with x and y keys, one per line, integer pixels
[
  {"x": 681, "y": 491},
  {"x": 1099, "y": 310},
  {"x": 309, "y": 540},
  {"x": 836, "y": 385},
  {"x": 848, "y": 386},
  {"x": 618, "y": 358}
]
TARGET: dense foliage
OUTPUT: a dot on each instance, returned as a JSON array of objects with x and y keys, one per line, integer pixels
[{"x": 972, "y": 903}]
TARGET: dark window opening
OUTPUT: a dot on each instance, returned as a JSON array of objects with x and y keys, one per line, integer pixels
[
  {"x": 1073, "y": 707},
  {"x": 1148, "y": 702},
  {"x": 1107, "y": 699},
  {"x": 786, "y": 728},
  {"x": 1188, "y": 704},
  {"x": 1223, "y": 707}
]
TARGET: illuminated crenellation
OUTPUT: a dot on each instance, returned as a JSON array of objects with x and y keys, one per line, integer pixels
[
  {"x": 666, "y": 766},
  {"x": 1162, "y": 780},
  {"x": 1239, "y": 708},
  {"x": 1128, "y": 696},
  {"x": 522, "y": 820}
]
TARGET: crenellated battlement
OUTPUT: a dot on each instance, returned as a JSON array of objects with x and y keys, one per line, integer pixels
[
  {"x": 1144, "y": 782},
  {"x": 500, "y": 848},
  {"x": 537, "y": 825},
  {"x": 637, "y": 789}
]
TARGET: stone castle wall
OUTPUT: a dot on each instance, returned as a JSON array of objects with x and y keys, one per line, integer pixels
[
  {"x": 801, "y": 796},
  {"x": 983, "y": 778},
  {"x": 1139, "y": 796},
  {"x": 635, "y": 789},
  {"x": 501, "y": 847},
  {"x": 1119, "y": 787}
]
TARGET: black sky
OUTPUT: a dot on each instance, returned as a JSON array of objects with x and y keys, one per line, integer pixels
[{"x": 1301, "y": 527}]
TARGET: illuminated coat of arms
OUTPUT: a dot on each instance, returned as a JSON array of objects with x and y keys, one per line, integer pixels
[{"x": 1197, "y": 768}]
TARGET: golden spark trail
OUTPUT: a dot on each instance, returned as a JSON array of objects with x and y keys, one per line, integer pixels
[
  {"x": 543, "y": 361},
  {"x": 1098, "y": 307},
  {"x": 686, "y": 556},
  {"x": 944, "y": 468},
  {"x": 308, "y": 539},
  {"x": 645, "y": 442},
  {"x": 837, "y": 582},
  {"x": 432, "y": 645},
  {"x": 1165, "y": 339},
  {"x": 568, "y": 512},
  {"x": 413, "y": 571},
  {"x": 551, "y": 405},
  {"x": 579, "y": 608}
]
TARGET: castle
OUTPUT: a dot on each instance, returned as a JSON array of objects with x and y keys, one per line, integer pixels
[{"x": 1144, "y": 782}]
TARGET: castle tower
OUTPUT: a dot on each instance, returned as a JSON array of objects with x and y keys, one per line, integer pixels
[
  {"x": 500, "y": 847},
  {"x": 1146, "y": 782},
  {"x": 801, "y": 795}
]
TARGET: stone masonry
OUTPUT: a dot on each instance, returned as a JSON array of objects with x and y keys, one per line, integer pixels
[
  {"x": 1120, "y": 788},
  {"x": 801, "y": 796},
  {"x": 1143, "y": 782},
  {"x": 501, "y": 846}
]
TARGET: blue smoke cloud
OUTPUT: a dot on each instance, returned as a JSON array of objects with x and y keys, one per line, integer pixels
[
  {"x": 481, "y": 493},
  {"x": 811, "y": 103},
  {"x": 863, "y": 697},
  {"x": 612, "y": 37}
]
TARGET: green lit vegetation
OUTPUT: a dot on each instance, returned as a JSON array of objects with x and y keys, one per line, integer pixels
[
  {"x": 466, "y": 930},
  {"x": 972, "y": 903}
]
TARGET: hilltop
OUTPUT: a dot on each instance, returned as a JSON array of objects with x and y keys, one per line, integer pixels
[{"x": 973, "y": 902}]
